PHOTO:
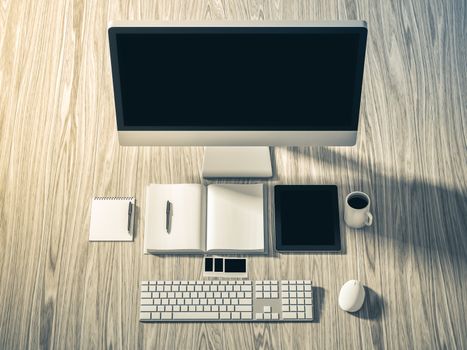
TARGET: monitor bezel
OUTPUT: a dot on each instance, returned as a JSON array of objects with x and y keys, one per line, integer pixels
[{"x": 127, "y": 132}]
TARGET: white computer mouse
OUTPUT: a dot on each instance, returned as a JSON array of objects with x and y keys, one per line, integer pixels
[{"x": 351, "y": 296}]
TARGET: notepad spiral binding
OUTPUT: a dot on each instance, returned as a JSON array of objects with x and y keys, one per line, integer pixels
[{"x": 114, "y": 198}]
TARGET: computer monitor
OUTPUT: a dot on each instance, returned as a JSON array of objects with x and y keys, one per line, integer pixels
[{"x": 237, "y": 84}]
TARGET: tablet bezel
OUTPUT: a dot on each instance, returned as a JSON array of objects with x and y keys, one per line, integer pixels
[{"x": 332, "y": 190}]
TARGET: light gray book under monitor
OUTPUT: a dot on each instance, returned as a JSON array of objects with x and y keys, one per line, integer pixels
[{"x": 217, "y": 218}]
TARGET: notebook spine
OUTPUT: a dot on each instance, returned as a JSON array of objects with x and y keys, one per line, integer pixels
[{"x": 113, "y": 198}]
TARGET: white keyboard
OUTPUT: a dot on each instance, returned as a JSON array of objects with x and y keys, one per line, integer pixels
[{"x": 226, "y": 301}]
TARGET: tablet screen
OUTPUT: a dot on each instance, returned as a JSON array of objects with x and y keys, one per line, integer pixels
[{"x": 307, "y": 218}]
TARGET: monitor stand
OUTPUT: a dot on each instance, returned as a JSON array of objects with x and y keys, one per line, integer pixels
[{"x": 237, "y": 162}]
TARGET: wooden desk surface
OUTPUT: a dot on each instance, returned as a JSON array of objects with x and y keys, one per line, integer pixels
[{"x": 59, "y": 147}]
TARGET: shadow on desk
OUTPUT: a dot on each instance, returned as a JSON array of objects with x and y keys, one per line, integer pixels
[
  {"x": 372, "y": 307},
  {"x": 318, "y": 302},
  {"x": 413, "y": 214}
]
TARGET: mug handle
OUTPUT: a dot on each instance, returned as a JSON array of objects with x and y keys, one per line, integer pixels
[{"x": 369, "y": 219}]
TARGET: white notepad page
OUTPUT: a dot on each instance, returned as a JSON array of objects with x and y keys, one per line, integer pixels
[
  {"x": 187, "y": 231},
  {"x": 235, "y": 217},
  {"x": 109, "y": 219}
]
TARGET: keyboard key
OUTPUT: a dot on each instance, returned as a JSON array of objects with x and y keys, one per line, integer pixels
[
  {"x": 145, "y": 288},
  {"x": 146, "y": 295},
  {"x": 167, "y": 315},
  {"x": 148, "y": 308},
  {"x": 259, "y": 316},
  {"x": 144, "y": 315},
  {"x": 266, "y": 309},
  {"x": 196, "y": 315},
  {"x": 147, "y": 302},
  {"x": 156, "y": 315},
  {"x": 243, "y": 308},
  {"x": 267, "y": 316},
  {"x": 308, "y": 311},
  {"x": 225, "y": 315},
  {"x": 275, "y": 316},
  {"x": 285, "y": 308},
  {"x": 300, "y": 314},
  {"x": 235, "y": 315},
  {"x": 274, "y": 295},
  {"x": 246, "y": 315},
  {"x": 289, "y": 315}
]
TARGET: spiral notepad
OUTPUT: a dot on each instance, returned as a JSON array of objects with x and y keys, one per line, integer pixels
[{"x": 112, "y": 219}]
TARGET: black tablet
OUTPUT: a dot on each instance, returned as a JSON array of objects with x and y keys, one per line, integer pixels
[{"x": 307, "y": 218}]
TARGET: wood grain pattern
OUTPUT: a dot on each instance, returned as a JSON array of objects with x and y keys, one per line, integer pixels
[{"x": 58, "y": 148}]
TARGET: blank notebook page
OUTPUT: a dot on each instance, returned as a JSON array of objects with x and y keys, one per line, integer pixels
[
  {"x": 235, "y": 217},
  {"x": 109, "y": 219}
]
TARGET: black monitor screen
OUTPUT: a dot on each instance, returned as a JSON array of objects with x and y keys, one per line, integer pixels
[{"x": 237, "y": 78}]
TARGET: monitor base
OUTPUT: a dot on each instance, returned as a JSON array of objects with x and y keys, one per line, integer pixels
[{"x": 237, "y": 162}]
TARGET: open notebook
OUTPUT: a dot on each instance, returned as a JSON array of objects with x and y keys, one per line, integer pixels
[{"x": 214, "y": 218}]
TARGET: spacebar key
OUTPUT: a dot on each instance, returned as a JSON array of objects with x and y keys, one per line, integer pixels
[{"x": 195, "y": 315}]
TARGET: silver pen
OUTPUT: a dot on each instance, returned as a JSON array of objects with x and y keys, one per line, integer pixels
[{"x": 167, "y": 216}]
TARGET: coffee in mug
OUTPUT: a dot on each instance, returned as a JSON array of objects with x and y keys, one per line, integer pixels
[{"x": 357, "y": 210}]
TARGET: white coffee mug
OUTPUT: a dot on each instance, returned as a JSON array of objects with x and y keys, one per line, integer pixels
[{"x": 357, "y": 210}]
